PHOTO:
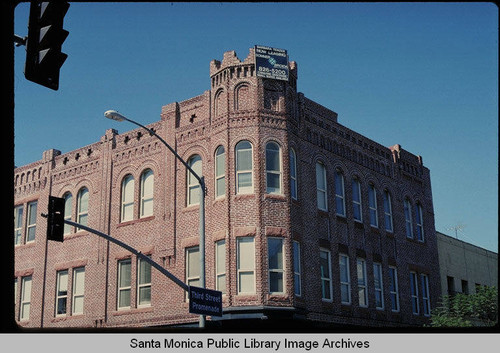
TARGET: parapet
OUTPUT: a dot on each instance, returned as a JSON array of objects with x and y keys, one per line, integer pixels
[{"x": 230, "y": 59}]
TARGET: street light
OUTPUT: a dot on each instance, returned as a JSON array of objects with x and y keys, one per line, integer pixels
[{"x": 114, "y": 115}]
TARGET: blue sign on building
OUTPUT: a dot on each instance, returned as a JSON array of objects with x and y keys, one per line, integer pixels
[{"x": 271, "y": 63}]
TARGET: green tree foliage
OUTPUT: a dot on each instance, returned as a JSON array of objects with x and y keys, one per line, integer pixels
[{"x": 462, "y": 310}]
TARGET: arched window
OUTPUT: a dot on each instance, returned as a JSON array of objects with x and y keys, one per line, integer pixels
[
  {"x": 408, "y": 218},
  {"x": 339, "y": 193},
  {"x": 220, "y": 172},
  {"x": 147, "y": 193},
  {"x": 293, "y": 174},
  {"x": 372, "y": 205},
  {"x": 193, "y": 186},
  {"x": 420, "y": 221},
  {"x": 388, "y": 211},
  {"x": 356, "y": 200},
  {"x": 244, "y": 168},
  {"x": 127, "y": 201},
  {"x": 321, "y": 186},
  {"x": 68, "y": 208},
  {"x": 273, "y": 168},
  {"x": 82, "y": 202}
]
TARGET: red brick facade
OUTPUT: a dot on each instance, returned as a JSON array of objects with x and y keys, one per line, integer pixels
[{"x": 239, "y": 106}]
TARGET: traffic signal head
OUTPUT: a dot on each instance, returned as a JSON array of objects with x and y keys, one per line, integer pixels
[
  {"x": 55, "y": 219},
  {"x": 45, "y": 37}
]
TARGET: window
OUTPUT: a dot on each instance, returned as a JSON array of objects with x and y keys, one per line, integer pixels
[
  {"x": 18, "y": 224},
  {"x": 450, "y": 282},
  {"x": 147, "y": 193},
  {"x": 193, "y": 191},
  {"x": 409, "y": 223},
  {"x": 393, "y": 288},
  {"x": 273, "y": 168},
  {"x": 61, "y": 292},
  {"x": 372, "y": 204},
  {"x": 362, "y": 290},
  {"x": 414, "y": 293},
  {"x": 321, "y": 186},
  {"x": 465, "y": 287},
  {"x": 339, "y": 193},
  {"x": 124, "y": 283},
  {"x": 25, "y": 298},
  {"x": 127, "y": 204},
  {"x": 220, "y": 266},
  {"x": 78, "y": 290},
  {"x": 143, "y": 282},
  {"x": 297, "y": 269},
  {"x": 379, "y": 286},
  {"x": 68, "y": 209},
  {"x": 244, "y": 166},
  {"x": 82, "y": 206},
  {"x": 293, "y": 174},
  {"x": 246, "y": 265},
  {"x": 420, "y": 222},
  {"x": 356, "y": 200},
  {"x": 193, "y": 266},
  {"x": 31, "y": 227},
  {"x": 220, "y": 174},
  {"x": 424, "y": 279},
  {"x": 326, "y": 275},
  {"x": 345, "y": 279},
  {"x": 275, "y": 261},
  {"x": 388, "y": 212}
]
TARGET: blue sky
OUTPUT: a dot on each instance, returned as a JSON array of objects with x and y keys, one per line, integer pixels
[{"x": 424, "y": 75}]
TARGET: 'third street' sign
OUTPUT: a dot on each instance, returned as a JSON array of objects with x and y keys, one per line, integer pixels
[
  {"x": 271, "y": 63},
  {"x": 205, "y": 301}
]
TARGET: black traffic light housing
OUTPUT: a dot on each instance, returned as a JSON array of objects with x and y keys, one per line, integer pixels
[
  {"x": 55, "y": 219},
  {"x": 45, "y": 37}
]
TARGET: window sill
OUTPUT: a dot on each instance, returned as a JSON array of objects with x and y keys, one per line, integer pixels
[
  {"x": 128, "y": 311},
  {"x": 134, "y": 221}
]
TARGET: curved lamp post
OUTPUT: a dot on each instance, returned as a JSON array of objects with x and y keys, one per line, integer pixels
[{"x": 114, "y": 115}]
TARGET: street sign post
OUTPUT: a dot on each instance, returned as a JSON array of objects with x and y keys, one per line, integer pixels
[{"x": 204, "y": 301}]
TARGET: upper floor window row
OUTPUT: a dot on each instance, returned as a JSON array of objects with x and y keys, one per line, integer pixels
[{"x": 145, "y": 196}]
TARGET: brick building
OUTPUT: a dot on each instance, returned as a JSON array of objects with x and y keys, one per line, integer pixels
[{"x": 305, "y": 218}]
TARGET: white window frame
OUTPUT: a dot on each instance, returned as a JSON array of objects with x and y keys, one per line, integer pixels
[
  {"x": 78, "y": 290},
  {"x": 345, "y": 285},
  {"x": 297, "y": 269},
  {"x": 142, "y": 283},
  {"x": 393, "y": 288},
  {"x": 414, "y": 293},
  {"x": 279, "y": 269},
  {"x": 147, "y": 193},
  {"x": 293, "y": 174},
  {"x": 193, "y": 266},
  {"x": 220, "y": 175},
  {"x": 124, "y": 288},
  {"x": 389, "y": 226},
  {"x": 326, "y": 282},
  {"x": 420, "y": 222},
  {"x": 239, "y": 172},
  {"x": 362, "y": 282},
  {"x": 220, "y": 266},
  {"x": 274, "y": 172},
  {"x": 31, "y": 222},
  {"x": 378, "y": 284},
  {"x": 62, "y": 279},
  {"x": 425, "y": 294},
  {"x": 408, "y": 218},
  {"x": 25, "y": 303},
  {"x": 357, "y": 204},
  {"x": 82, "y": 212},
  {"x": 127, "y": 198},
  {"x": 321, "y": 176},
  {"x": 340, "y": 193},
  {"x": 372, "y": 205},
  {"x": 242, "y": 270},
  {"x": 68, "y": 211},
  {"x": 18, "y": 224},
  {"x": 191, "y": 182}
]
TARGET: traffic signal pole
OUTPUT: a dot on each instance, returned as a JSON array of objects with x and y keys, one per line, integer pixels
[{"x": 170, "y": 276}]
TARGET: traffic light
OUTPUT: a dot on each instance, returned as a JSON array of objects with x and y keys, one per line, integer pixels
[
  {"x": 45, "y": 38},
  {"x": 55, "y": 219}
]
